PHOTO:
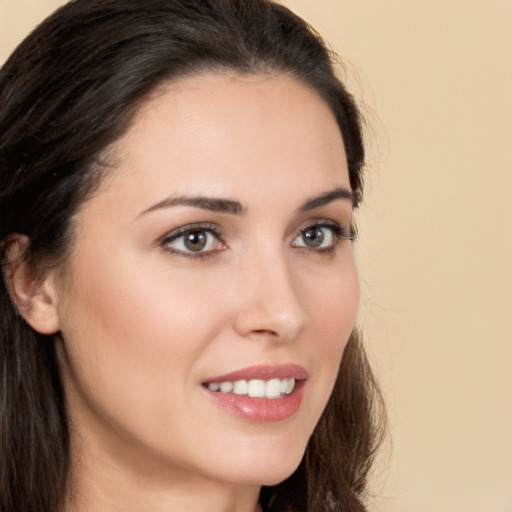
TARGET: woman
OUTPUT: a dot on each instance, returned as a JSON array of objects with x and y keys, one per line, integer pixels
[{"x": 178, "y": 179}]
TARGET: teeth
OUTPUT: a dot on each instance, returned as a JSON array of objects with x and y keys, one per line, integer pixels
[
  {"x": 255, "y": 388},
  {"x": 226, "y": 387},
  {"x": 240, "y": 387},
  {"x": 273, "y": 388}
]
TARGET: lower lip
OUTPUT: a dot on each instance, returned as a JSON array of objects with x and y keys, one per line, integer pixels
[{"x": 261, "y": 409}]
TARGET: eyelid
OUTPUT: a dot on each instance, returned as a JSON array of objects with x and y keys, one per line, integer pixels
[
  {"x": 341, "y": 229},
  {"x": 339, "y": 232},
  {"x": 181, "y": 231}
]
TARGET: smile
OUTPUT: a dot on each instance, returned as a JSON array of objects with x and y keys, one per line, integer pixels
[
  {"x": 255, "y": 388},
  {"x": 259, "y": 393}
]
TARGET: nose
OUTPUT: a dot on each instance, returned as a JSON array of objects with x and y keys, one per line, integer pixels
[{"x": 268, "y": 302}]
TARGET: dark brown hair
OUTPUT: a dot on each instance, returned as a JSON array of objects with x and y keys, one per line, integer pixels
[{"x": 67, "y": 93}]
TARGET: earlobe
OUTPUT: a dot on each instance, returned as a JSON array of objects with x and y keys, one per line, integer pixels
[{"x": 34, "y": 296}]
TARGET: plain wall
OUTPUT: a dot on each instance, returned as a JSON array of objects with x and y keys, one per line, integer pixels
[{"x": 436, "y": 235}]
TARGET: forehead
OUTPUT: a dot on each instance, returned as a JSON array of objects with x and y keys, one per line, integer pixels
[{"x": 224, "y": 133}]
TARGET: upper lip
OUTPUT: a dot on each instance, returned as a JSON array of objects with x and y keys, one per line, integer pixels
[{"x": 264, "y": 372}]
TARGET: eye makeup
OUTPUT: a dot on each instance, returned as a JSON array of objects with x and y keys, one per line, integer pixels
[
  {"x": 197, "y": 240},
  {"x": 322, "y": 236},
  {"x": 204, "y": 239}
]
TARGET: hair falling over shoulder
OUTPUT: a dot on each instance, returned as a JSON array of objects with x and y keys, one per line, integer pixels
[{"x": 69, "y": 91}]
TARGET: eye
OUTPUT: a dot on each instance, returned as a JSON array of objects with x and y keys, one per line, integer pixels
[
  {"x": 191, "y": 241},
  {"x": 320, "y": 236}
]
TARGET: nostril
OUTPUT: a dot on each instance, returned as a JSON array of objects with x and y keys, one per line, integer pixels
[
  {"x": 259, "y": 326},
  {"x": 265, "y": 332}
]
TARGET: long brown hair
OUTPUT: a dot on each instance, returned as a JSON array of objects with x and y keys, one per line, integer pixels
[{"x": 66, "y": 93}]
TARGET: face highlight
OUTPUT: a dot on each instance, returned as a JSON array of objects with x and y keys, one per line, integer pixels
[{"x": 212, "y": 287}]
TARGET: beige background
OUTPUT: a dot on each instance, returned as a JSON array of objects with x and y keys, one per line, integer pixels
[{"x": 436, "y": 249}]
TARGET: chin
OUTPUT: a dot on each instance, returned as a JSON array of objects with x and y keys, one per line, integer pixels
[
  {"x": 278, "y": 475},
  {"x": 270, "y": 474},
  {"x": 264, "y": 465}
]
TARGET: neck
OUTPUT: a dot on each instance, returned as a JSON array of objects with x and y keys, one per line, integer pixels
[
  {"x": 107, "y": 481},
  {"x": 111, "y": 491}
]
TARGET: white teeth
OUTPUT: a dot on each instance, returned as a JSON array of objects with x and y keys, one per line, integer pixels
[
  {"x": 226, "y": 387},
  {"x": 273, "y": 388},
  {"x": 255, "y": 388},
  {"x": 240, "y": 387}
]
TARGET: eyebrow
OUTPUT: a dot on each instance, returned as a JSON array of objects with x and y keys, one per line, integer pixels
[
  {"x": 233, "y": 207},
  {"x": 204, "y": 203},
  {"x": 326, "y": 198}
]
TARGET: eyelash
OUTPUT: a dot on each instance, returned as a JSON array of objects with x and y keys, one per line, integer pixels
[
  {"x": 187, "y": 230},
  {"x": 339, "y": 233}
]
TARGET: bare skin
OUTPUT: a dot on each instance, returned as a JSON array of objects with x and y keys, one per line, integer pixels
[{"x": 147, "y": 317}]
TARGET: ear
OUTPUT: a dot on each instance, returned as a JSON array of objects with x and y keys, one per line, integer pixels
[{"x": 34, "y": 296}]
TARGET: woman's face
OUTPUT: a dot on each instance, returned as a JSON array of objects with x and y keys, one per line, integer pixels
[{"x": 217, "y": 252}]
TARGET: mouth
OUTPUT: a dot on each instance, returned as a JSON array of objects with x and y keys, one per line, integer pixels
[
  {"x": 261, "y": 394},
  {"x": 255, "y": 388}
]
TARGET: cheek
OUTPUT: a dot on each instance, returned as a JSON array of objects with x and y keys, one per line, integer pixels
[
  {"x": 333, "y": 307},
  {"x": 132, "y": 336},
  {"x": 142, "y": 305}
]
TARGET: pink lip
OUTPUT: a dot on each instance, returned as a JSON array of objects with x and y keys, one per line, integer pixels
[
  {"x": 261, "y": 409},
  {"x": 264, "y": 372}
]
